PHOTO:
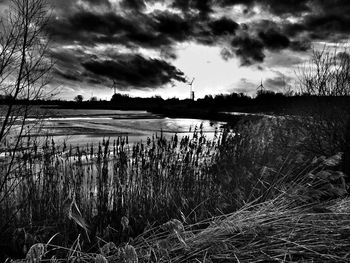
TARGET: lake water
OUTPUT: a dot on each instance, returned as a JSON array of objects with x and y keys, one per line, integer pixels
[{"x": 91, "y": 126}]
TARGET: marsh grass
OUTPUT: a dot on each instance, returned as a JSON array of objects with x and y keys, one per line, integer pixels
[
  {"x": 277, "y": 230},
  {"x": 239, "y": 197},
  {"x": 291, "y": 226},
  {"x": 149, "y": 181}
]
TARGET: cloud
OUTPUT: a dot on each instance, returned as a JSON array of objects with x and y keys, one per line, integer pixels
[
  {"x": 326, "y": 25},
  {"x": 271, "y": 29},
  {"x": 277, "y": 7},
  {"x": 285, "y": 59},
  {"x": 245, "y": 86},
  {"x": 90, "y": 28},
  {"x": 202, "y": 7},
  {"x": 248, "y": 49},
  {"x": 100, "y": 24},
  {"x": 101, "y": 64},
  {"x": 325, "y": 20},
  {"x": 136, "y": 71},
  {"x": 99, "y": 3},
  {"x": 321, "y": 27},
  {"x": 133, "y": 5},
  {"x": 173, "y": 26},
  {"x": 274, "y": 40},
  {"x": 164, "y": 29},
  {"x": 279, "y": 83},
  {"x": 223, "y": 26}
]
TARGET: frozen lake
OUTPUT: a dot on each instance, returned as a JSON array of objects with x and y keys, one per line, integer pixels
[{"x": 91, "y": 126}]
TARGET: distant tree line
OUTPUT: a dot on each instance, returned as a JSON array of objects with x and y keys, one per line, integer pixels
[{"x": 264, "y": 101}]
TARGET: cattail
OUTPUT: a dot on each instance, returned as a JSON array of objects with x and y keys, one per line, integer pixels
[
  {"x": 54, "y": 259},
  {"x": 173, "y": 225},
  {"x": 109, "y": 249},
  {"x": 130, "y": 254},
  {"x": 124, "y": 222},
  {"x": 100, "y": 259},
  {"x": 36, "y": 252}
]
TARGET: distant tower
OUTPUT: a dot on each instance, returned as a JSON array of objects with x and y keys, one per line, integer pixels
[
  {"x": 191, "y": 90},
  {"x": 261, "y": 87},
  {"x": 114, "y": 86}
]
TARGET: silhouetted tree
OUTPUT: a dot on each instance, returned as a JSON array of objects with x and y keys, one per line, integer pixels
[
  {"x": 25, "y": 67},
  {"x": 117, "y": 97},
  {"x": 326, "y": 76},
  {"x": 79, "y": 98}
]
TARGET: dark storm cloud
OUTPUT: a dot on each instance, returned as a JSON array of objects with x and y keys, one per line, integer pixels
[
  {"x": 196, "y": 21},
  {"x": 223, "y": 26},
  {"x": 139, "y": 30},
  {"x": 130, "y": 70},
  {"x": 277, "y": 7},
  {"x": 107, "y": 23},
  {"x": 67, "y": 64},
  {"x": 323, "y": 19},
  {"x": 248, "y": 49},
  {"x": 173, "y": 26},
  {"x": 274, "y": 40},
  {"x": 321, "y": 26},
  {"x": 136, "y": 71},
  {"x": 319, "y": 19},
  {"x": 325, "y": 25},
  {"x": 90, "y": 28},
  {"x": 161, "y": 30},
  {"x": 252, "y": 41},
  {"x": 156, "y": 30},
  {"x": 67, "y": 75}
]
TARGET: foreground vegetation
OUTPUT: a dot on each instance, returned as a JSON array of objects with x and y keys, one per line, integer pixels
[
  {"x": 302, "y": 223},
  {"x": 272, "y": 189},
  {"x": 253, "y": 193}
]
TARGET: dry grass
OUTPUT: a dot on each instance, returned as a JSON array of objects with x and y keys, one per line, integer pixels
[
  {"x": 296, "y": 225},
  {"x": 278, "y": 230},
  {"x": 283, "y": 206},
  {"x": 275, "y": 231},
  {"x": 146, "y": 182}
]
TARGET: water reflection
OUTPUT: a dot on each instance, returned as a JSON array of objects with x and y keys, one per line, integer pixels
[{"x": 92, "y": 126}]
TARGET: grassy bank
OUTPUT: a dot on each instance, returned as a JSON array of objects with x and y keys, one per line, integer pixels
[
  {"x": 250, "y": 194},
  {"x": 294, "y": 226},
  {"x": 277, "y": 230}
]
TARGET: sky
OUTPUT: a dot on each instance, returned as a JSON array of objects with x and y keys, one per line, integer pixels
[{"x": 153, "y": 47}]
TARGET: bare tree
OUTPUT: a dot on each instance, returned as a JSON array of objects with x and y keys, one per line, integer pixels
[
  {"x": 24, "y": 74},
  {"x": 326, "y": 78},
  {"x": 326, "y": 74}
]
